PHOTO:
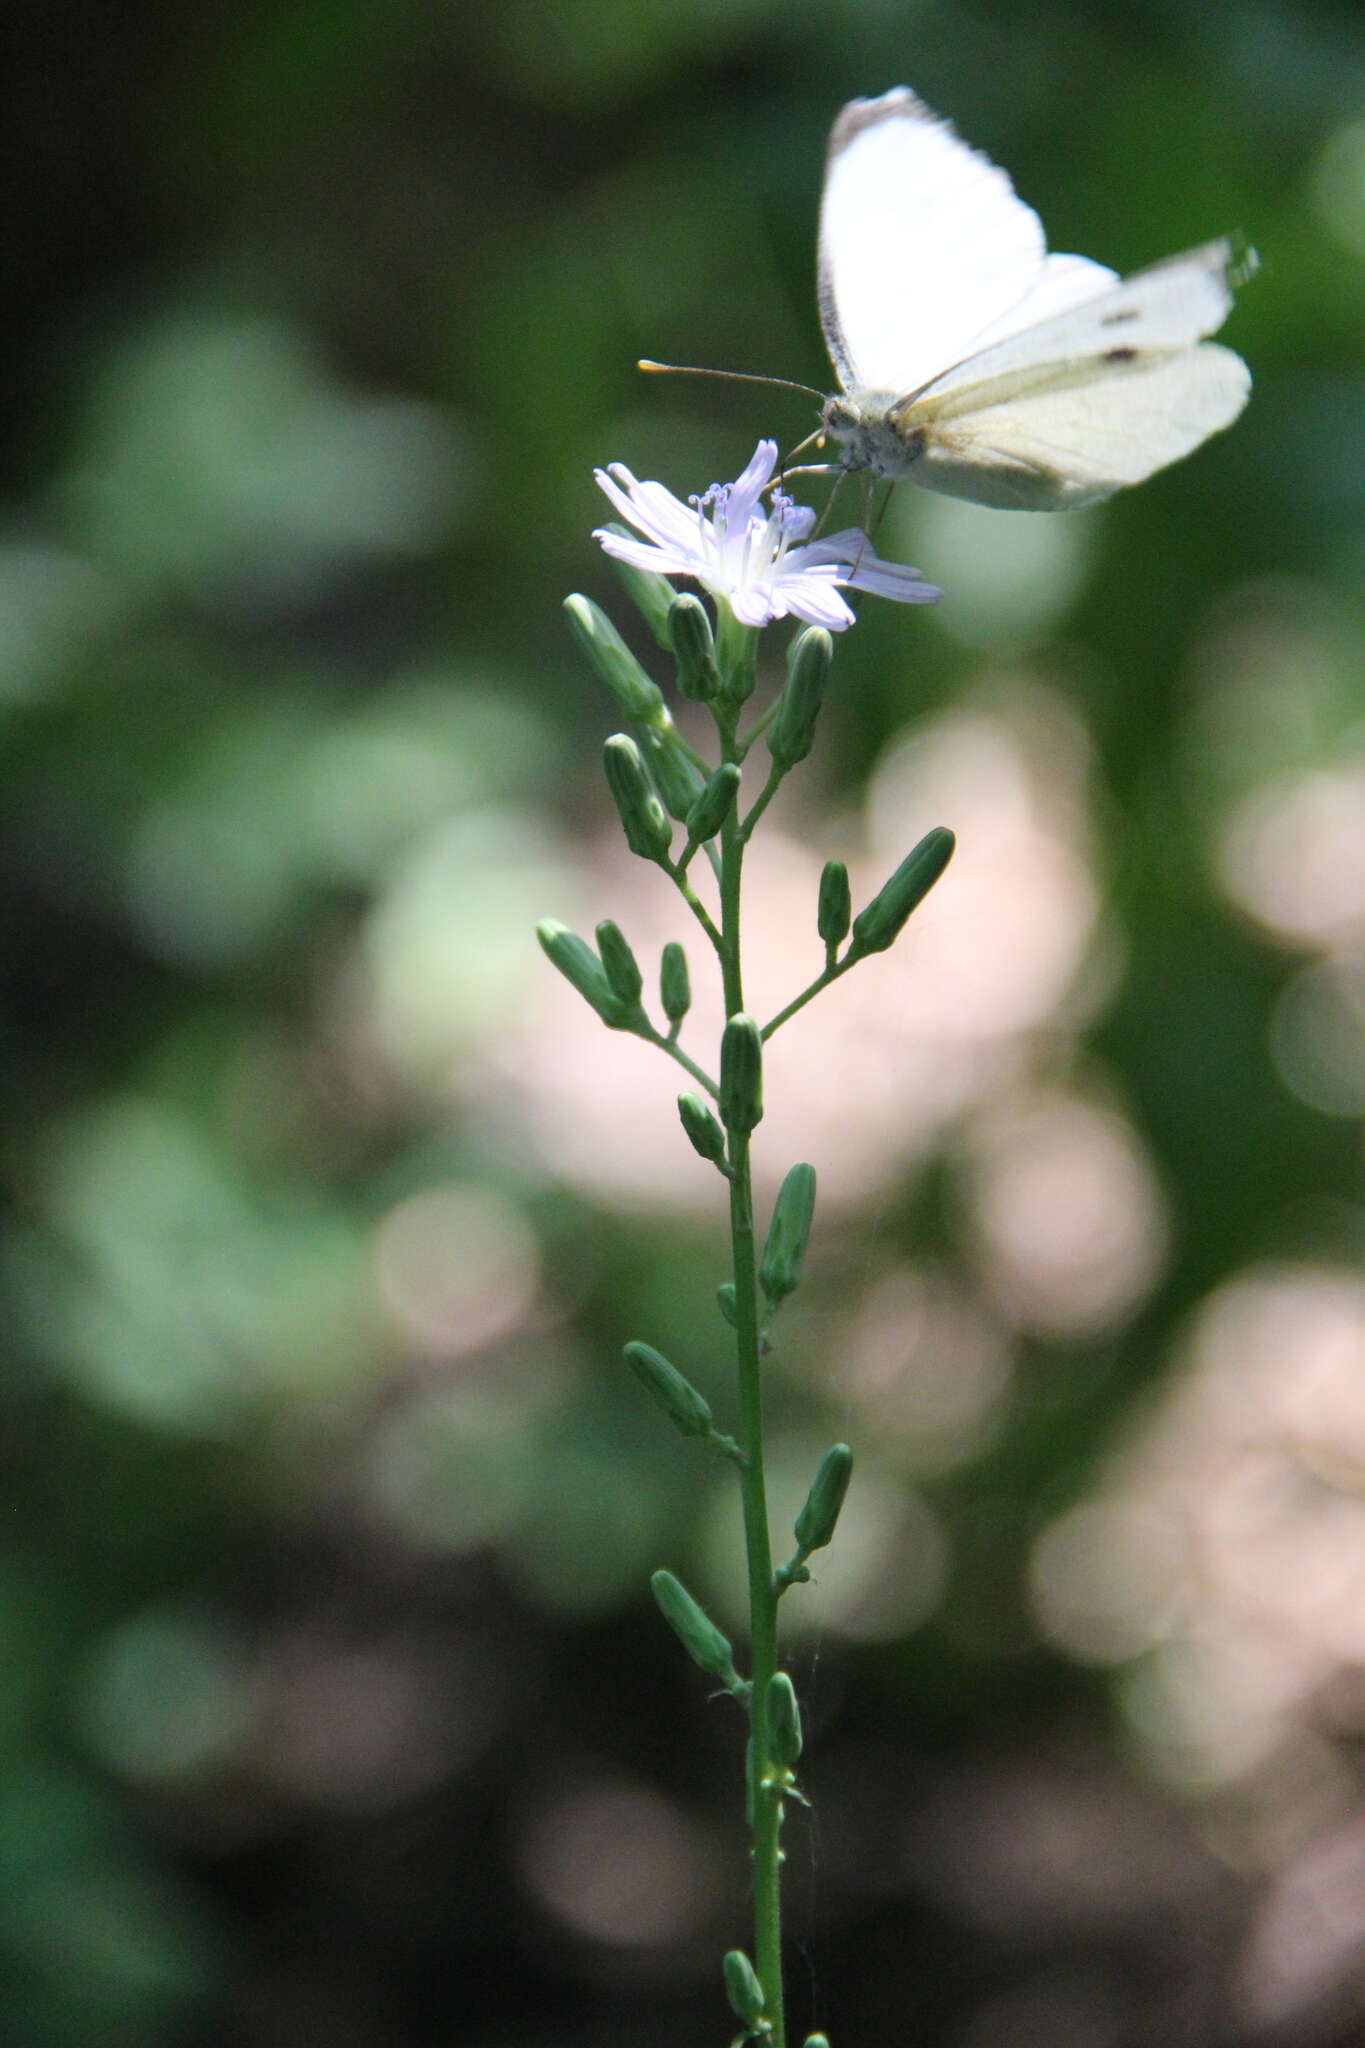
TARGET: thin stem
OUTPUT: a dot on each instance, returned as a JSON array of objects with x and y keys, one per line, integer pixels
[
  {"x": 692, "y": 848},
  {"x": 767, "y": 1801},
  {"x": 762, "y": 800},
  {"x": 694, "y": 903},
  {"x": 675, "y": 1052},
  {"x": 831, "y": 973},
  {"x": 758, "y": 728}
]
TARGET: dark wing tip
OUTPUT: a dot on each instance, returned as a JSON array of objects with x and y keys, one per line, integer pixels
[{"x": 900, "y": 104}]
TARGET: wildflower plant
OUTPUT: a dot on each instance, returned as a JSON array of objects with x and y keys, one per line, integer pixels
[{"x": 751, "y": 549}]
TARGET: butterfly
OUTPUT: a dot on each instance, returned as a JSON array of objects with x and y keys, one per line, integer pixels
[{"x": 972, "y": 361}]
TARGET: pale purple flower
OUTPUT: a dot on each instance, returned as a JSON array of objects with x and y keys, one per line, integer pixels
[{"x": 754, "y": 557}]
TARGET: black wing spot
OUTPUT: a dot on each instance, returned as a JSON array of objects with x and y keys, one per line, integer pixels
[
  {"x": 1120, "y": 355},
  {"x": 1121, "y": 317}
]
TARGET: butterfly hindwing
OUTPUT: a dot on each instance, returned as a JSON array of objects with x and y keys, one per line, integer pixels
[
  {"x": 1171, "y": 305},
  {"x": 1054, "y": 442}
]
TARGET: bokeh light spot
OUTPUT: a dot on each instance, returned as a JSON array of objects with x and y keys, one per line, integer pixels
[
  {"x": 619, "y": 1864},
  {"x": 458, "y": 1268}
]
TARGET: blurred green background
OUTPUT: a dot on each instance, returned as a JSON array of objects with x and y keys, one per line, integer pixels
[{"x": 331, "y": 1705}]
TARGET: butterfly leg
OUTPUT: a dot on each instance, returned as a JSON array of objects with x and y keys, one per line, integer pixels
[{"x": 830, "y": 503}]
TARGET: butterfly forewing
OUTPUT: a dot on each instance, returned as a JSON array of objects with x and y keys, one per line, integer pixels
[{"x": 924, "y": 244}]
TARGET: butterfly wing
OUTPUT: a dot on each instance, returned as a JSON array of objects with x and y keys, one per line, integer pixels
[
  {"x": 1048, "y": 448},
  {"x": 1065, "y": 412},
  {"x": 925, "y": 248},
  {"x": 1170, "y": 305}
]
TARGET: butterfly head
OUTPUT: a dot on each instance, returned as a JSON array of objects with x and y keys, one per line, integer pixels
[{"x": 870, "y": 435}]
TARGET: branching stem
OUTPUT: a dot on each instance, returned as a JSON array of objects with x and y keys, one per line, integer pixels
[{"x": 766, "y": 1802}]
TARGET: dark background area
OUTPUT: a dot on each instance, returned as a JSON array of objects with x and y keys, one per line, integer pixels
[{"x": 332, "y": 1705}]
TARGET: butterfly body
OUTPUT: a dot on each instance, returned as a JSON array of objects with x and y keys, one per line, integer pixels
[
  {"x": 974, "y": 362},
  {"x": 870, "y": 437}
]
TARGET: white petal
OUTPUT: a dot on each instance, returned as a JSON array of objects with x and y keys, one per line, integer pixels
[
  {"x": 817, "y": 600},
  {"x": 750, "y": 485},
  {"x": 643, "y": 554}
]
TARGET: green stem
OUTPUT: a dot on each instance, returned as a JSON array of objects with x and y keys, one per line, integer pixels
[
  {"x": 767, "y": 1803},
  {"x": 763, "y": 799},
  {"x": 758, "y": 728},
  {"x": 675, "y": 1052},
  {"x": 677, "y": 872},
  {"x": 807, "y": 995}
]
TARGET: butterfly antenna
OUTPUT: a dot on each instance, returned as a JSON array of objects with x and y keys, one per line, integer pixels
[{"x": 730, "y": 376}]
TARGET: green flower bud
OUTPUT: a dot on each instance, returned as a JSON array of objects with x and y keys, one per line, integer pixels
[
  {"x": 705, "y": 1133},
  {"x": 816, "y": 2041},
  {"x": 783, "y": 1716},
  {"x": 741, "y": 1074},
  {"x": 736, "y": 655},
  {"x": 792, "y": 733},
  {"x": 689, "y": 635},
  {"x": 696, "y": 1631},
  {"x": 651, "y": 595},
  {"x": 637, "y": 696},
  {"x": 836, "y": 904},
  {"x": 675, "y": 986},
  {"x": 742, "y": 1988},
  {"x": 682, "y": 1404},
  {"x": 715, "y": 803},
  {"x": 619, "y": 963},
  {"x": 647, "y": 830},
  {"x": 678, "y": 778},
  {"x": 726, "y": 1303},
  {"x": 577, "y": 962},
  {"x": 788, "y": 1234},
  {"x": 877, "y": 927},
  {"x": 815, "y": 1523}
]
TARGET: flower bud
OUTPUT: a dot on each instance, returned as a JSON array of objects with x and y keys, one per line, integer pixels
[
  {"x": 727, "y": 1303},
  {"x": 675, "y": 987},
  {"x": 678, "y": 778},
  {"x": 741, "y": 1074},
  {"x": 647, "y": 830},
  {"x": 651, "y": 594},
  {"x": 836, "y": 904},
  {"x": 619, "y": 963},
  {"x": 736, "y": 655},
  {"x": 696, "y": 1631},
  {"x": 742, "y": 1988},
  {"x": 816, "y": 2041},
  {"x": 815, "y": 1523},
  {"x": 783, "y": 1717},
  {"x": 877, "y": 927},
  {"x": 688, "y": 1410},
  {"x": 637, "y": 696},
  {"x": 715, "y": 803},
  {"x": 705, "y": 1133},
  {"x": 689, "y": 635},
  {"x": 577, "y": 962},
  {"x": 788, "y": 1234},
  {"x": 792, "y": 733}
]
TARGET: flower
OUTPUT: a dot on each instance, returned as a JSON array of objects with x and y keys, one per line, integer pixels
[{"x": 757, "y": 560}]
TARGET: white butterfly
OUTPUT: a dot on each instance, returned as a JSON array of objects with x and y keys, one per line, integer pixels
[{"x": 972, "y": 361}]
